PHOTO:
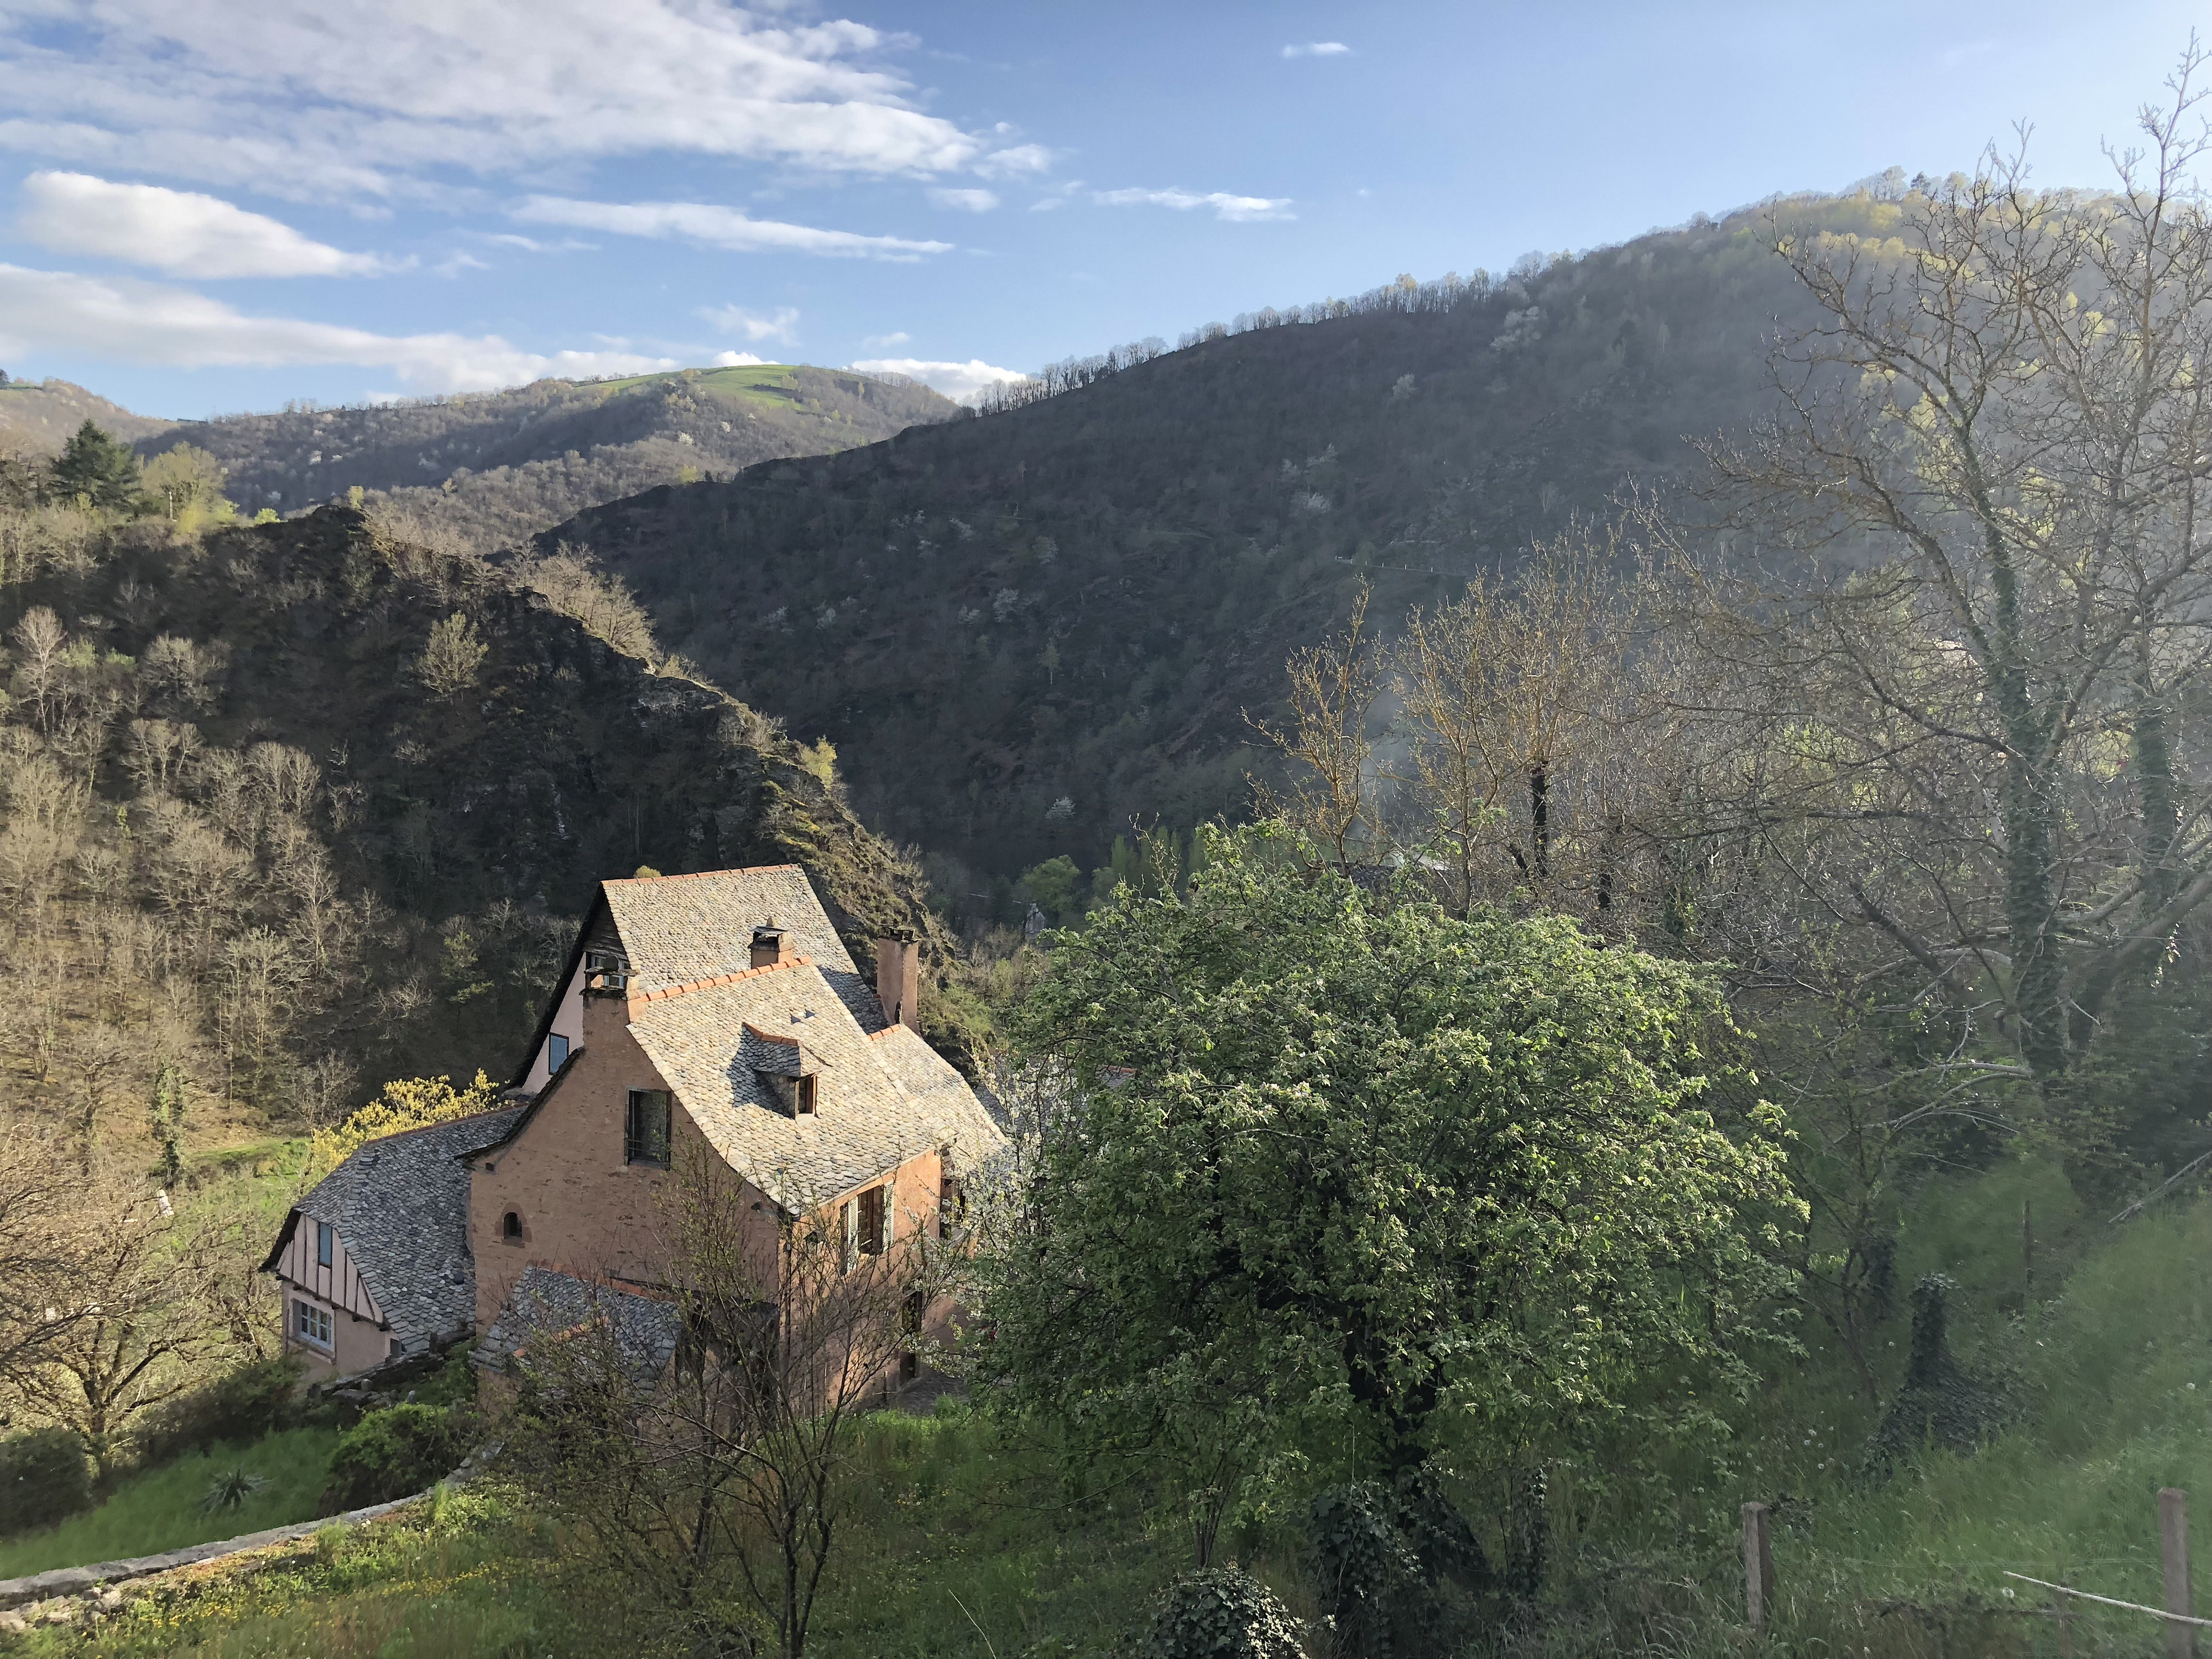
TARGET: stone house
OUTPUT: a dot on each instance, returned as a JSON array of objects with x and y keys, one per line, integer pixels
[{"x": 716, "y": 1014}]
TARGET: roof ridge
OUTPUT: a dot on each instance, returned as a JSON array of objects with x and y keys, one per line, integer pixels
[
  {"x": 770, "y": 1036},
  {"x": 424, "y": 1128},
  {"x": 694, "y": 875},
  {"x": 666, "y": 992}
]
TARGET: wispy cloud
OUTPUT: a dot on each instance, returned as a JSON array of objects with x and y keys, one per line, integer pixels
[
  {"x": 1016, "y": 161},
  {"x": 959, "y": 381},
  {"x": 879, "y": 341},
  {"x": 782, "y": 326},
  {"x": 963, "y": 201},
  {"x": 531, "y": 245},
  {"x": 1317, "y": 49},
  {"x": 331, "y": 97},
  {"x": 180, "y": 232},
  {"x": 124, "y": 320},
  {"x": 1239, "y": 210},
  {"x": 717, "y": 225}
]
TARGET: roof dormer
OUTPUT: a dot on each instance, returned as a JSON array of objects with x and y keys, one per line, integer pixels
[{"x": 790, "y": 1072}]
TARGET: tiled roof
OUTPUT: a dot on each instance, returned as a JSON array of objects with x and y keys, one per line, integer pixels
[
  {"x": 549, "y": 1301},
  {"x": 680, "y": 930},
  {"x": 401, "y": 1207},
  {"x": 882, "y": 1101}
]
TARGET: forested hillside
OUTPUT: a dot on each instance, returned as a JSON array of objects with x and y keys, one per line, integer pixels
[
  {"x": 297, "y": 808},
  {"x": 1022, "y": 630},
  {"x": 490, "y": 468}
]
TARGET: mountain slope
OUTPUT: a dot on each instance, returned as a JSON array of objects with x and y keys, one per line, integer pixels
[
  {"x": 38, "y": 416},
  {"x": 494, "y": 468},
  {"x": 1021, "y": 630},
  {"x": 298, "y": 809}
]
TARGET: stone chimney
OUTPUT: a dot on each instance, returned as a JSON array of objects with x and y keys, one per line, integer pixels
[
  {"x": 898, "y": 979},
  {"x": 772, "y": 946}
]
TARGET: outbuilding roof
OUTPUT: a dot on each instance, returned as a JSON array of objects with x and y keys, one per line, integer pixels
[
  {"x": 400, "y": 1205},
  {"x": 548, "y": 1302}
]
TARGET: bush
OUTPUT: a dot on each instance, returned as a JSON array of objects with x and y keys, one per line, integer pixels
[
  {"x": 44, "y": 1477},
  {"x": 243, "y": 1404},
  {"x": 393, "y": 1453},
  {"x": 1220, "y": 1613}
]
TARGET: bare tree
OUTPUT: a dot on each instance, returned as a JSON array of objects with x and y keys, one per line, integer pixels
[
  {"x": 719, "y": 1480},
  {"x": 1993, "y": 451},
  {"x": 1332, "y": 692}
]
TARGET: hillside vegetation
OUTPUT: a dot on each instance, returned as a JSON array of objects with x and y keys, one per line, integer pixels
[
  {"x": 1021, "y": 631},
  {"x": 37, "y": 417},
  {"x": 485, "y": 470}
]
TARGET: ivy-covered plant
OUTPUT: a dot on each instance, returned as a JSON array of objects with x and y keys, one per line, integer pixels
[{"x": 1220, "y": 1613}]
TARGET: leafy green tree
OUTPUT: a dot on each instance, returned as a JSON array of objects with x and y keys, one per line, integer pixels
[
  {"x": 1337, "y": 1168},
  {"x": 96, "y": 468}
]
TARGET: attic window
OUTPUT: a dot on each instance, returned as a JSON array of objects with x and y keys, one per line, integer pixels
[
  {"x": 556, "y": 1052},
  {"x": 325, "y": 1243},
  {"x": 645, "y": 1131}
]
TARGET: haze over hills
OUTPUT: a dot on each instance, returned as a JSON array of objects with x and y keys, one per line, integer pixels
[
  {"x": 1023, "y": 630},
  {"x": 503, "y": 466}
]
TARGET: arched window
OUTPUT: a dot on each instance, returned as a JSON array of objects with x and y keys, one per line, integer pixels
[{"x": 510, "y": 1227}]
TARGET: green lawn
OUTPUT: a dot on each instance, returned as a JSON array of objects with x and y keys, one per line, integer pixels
[{"x": 160, "y": 1511}]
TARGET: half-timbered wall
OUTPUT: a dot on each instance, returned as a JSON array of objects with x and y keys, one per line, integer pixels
[{"x": 340, "y": 1284}]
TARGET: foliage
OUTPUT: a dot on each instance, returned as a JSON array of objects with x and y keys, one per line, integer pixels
[
  {"x": 187, "y": 484},
  {"x": 819, "y": 761},
  {"x": 232, "y": 1487},
  {"x": 97, "y": 470},
  {"x": 162, "y": 1509},
  {"x": 256, "y": 1398},
  {"x": 404, "y": 1104},
  {"x": 1338, "y": 1166},
  {"x": 1220, "y": 1613},
  {"x": 1940, "y": 1405},
  {"x": 392, "y": 1453},
  {"x": 44, "y": 1476}
]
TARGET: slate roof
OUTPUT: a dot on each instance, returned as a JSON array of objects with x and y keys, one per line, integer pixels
[
  {"x": 678, "y": 929},
  {"x": 548, "y": 1301},
  {"x": 882, "y": 1100},
  {"x": 401, "y": 1208}
]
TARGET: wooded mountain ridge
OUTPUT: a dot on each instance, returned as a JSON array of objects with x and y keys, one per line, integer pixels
[{"x": 1022, "y": 632}]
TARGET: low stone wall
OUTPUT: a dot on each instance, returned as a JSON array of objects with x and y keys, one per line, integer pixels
[{"x": 61, "y": 1582}]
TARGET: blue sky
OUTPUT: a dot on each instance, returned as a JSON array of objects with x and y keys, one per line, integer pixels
[{"x": 208, "y": 205}]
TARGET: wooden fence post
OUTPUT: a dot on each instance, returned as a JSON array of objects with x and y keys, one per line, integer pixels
[
  {"x": 2173, "y": 1549},
  {"x": 1758, "y": 1566}
]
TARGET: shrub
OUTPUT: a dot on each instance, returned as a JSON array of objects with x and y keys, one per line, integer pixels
[
  {"x": 1220, "y": 1613},
  {"x": 391, "y": 1454},
  {"x": 44, "y": 1476},
  {"x": 243, "y": 1404}
]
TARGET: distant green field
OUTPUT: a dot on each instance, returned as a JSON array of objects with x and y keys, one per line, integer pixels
[
  {"x": 759, "y": 383},
  {"x": 161, "y": 1510}
]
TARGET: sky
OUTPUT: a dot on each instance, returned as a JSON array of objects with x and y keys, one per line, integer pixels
[{"x": 219, "y": 205}]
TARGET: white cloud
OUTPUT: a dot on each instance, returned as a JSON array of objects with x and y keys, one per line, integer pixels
[
  {"x": 738, "y": 360},
  {"x": 717, "y": 225},
  {"x": 312, "y": 97},
  {"x": 959, "y": 381},
  {"x": 1015, "y": 162},
  {"x": 457, "y": 262},
  {"x": 178, "y": 231},
  {"x": 879, "y": 341},
  {"x": 965, "y": 201},
  {"x": 145, "y": 323},
  {"x": 1240, "y": 209},
  {"x": 531, "y": 245},
  {"x": 782, "y": 326},
  {"x": 1318, "y": 49}
]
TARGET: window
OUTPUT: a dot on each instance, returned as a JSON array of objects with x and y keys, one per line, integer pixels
[
  {"x": 556, "y": 1053},
  {"x": 325, "y": 1243},
  {"x": 806, "y": 1096},
  {"x": 645, "y": 1135},
  {"x": 510, "y": 1228},
  {"x": 874, "y": 1227},
  {"x": 311, "y": 1325}
]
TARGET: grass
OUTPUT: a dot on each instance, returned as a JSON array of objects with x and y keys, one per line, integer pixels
[
  {"x": 160, "y": 1509},
  {"x": 964, "y": 1547}
]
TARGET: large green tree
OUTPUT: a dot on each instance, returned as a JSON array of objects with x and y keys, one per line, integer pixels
[
  {"x": 97, "y": 468},
  {"x": 1333, "y": 1168}
]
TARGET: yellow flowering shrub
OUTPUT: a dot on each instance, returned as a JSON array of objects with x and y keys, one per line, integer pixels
[{"x": 413, "y": 1103}]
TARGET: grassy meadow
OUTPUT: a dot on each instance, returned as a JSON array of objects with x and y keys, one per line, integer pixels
[{"x": 964, "y": 1543}]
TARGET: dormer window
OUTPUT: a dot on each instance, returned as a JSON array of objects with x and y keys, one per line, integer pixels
[
  {"x": 799, "y": 1095},
  {"x": 806, "y": 1096}
]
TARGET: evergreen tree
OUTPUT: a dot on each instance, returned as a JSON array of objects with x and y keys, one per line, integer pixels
[{"x": 97, "y": 469}]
